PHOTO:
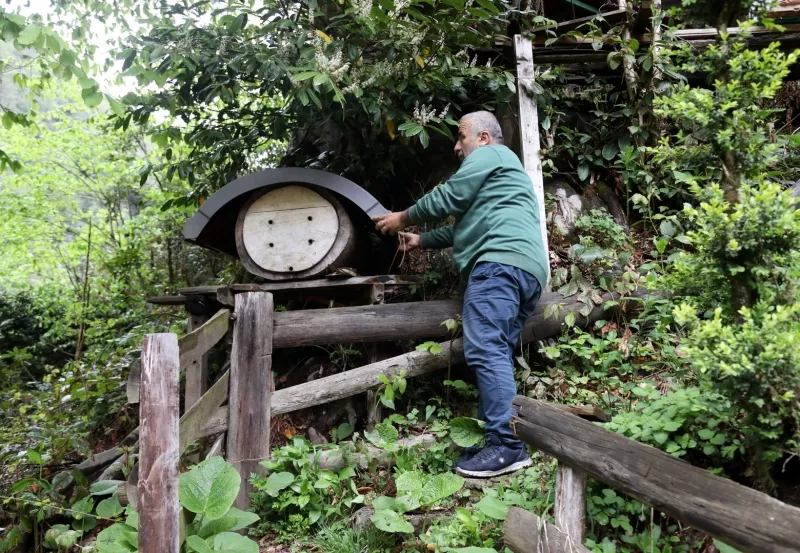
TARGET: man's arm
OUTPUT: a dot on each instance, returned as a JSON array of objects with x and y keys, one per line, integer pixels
[
  {"x": 437, "y": 239},
  {"x": 456, "y": 195}
]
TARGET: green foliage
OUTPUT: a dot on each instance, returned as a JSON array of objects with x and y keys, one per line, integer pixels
[
  {"x": 467, "y": 432},
  {"x": 208, "y": 490},
  {"x": 298, "y": 494},
  {"x": 756, "y": 366},
  {"x": 391, "y": 388}
]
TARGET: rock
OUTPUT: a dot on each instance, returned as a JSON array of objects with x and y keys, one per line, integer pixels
[
  {"x": 569, "y": 207},
  {"x": 315, "y": 437}
]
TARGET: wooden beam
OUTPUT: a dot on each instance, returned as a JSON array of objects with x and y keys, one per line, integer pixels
[
  {"x": 197, "y": 416},
  {"x": 529, "y": 132},
  {"x": 524, "y": 532},
  {"x": 193, "y": 346},
  {"x": 196, "y": 382},
  {"x": 350, "y": 383},
  {"x": 743, "y": 518},
  {"x": 315, "y": 285},
  {"x": 251, "y": 383},
  {"x": 418, "y": 320},
  {"x": 159, "y": 530}
]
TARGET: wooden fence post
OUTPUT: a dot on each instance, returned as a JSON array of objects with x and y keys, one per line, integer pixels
[
  {"x": 250, "y": 388},
  {"x": 158, "y": 460},
  {"x": 376, "y": 297},
  {"x": 570, "y": 509},
  {"x": 529, "y": 131}
]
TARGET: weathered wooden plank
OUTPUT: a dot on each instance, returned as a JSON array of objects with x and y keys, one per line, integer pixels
[
  {"x": 198, "y": 342},
  {"x": 217, "y": 447},
  {"x": 251, "y": 382},
  {"x": 376, "y": 297},
  {"x": 167, "y": 300},
  {"x": 746, "y": 519},
  {"x": 159, "y": 530},
  {"x": 193, "y": 346},
  {"x": 197, "y": 416},
  {"x": 320, "y": 283},
  {"x": 570, "y": 508},
  {"x": 350, "y": 383},
  {"x": 529, "y": 131},
  {"x": 524, "y": 532},
  {"x": 196, "y": 382}
]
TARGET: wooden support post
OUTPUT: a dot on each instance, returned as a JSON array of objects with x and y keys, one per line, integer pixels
[
  {"x": 250, "y": 387},
  {"x": 524, "y": 532},
  {"x": 197, "y": 370},
  {"x": 376, "y": 296},
  {"x": 570, "y": 509},
  {"x": 159, "y": 530},
  {"x": 529, "y": 130}
]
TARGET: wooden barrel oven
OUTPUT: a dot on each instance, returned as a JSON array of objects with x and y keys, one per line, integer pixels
[{"x": 294, "y": 231}]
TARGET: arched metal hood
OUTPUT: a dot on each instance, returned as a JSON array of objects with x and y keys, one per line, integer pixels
[{"x": 213, "y": 225}]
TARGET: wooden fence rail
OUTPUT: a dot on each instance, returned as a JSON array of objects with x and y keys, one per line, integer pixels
[{"x": 744, "y": 518}]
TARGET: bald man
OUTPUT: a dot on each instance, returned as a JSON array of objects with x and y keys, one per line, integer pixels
[{"x": 497, "y": 245}]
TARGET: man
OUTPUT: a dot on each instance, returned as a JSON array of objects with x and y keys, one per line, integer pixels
[{"x": 497, "y": 245}]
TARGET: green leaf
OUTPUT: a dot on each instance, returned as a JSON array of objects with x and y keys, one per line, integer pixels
[
  {"x": 439, "y": 487},
  {"x": 228, "y": 542},
  {"x": 382, "y": 502},
  {"x": 116, "y": 106},
  {"x": 216, "y": 526},
  {"x": 667, "y": 228},
  {"x": 15, "y": 18},
  {"x": 473, "y": 549},
  {"x": 492, "y": 507},
  {"x": 109, "y": 507},
  {"x": 410, "y": 483},
  {"x": 344, "y": 430},
  {"x": 197, "y": 544},
  {"x": 706, "y": 433},
  {"x": 610, "y": 150},
  {"x": 29, "y": 34},
  {"x": 34, "y": 456},
  {"x": 104, "y": 487},
  {"x": 466, "y": 432},
  {"x": 209, "y": 488},
  {"x": 725, "y": 548},
  {"x": 583, "y": 171},
  {"x": 304, "y": 76},
  {"x": 90, "y": 98},
  {"x": 384, "y": 434},
  {"x": 278, "y": 481},
  {"x": 391, "y": 521},
  {"x": 424, "y": 138},
  {"x": 661, "y": 437}
]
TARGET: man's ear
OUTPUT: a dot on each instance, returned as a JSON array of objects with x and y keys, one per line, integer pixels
[{"x": 484, "y": 138}]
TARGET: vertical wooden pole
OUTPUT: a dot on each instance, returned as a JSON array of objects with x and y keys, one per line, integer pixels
[
  {"x": 570, "y": 509},
  {"x": 158, "y": 458},
  {"x": 374, "y": 415},
  {"x": 529, "y": 130},
  {"x": 197, "y": 371},
  {"x": 250, "y": 389}
]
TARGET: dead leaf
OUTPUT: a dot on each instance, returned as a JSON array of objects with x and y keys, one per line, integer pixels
[{"x": 323, "y": 36}]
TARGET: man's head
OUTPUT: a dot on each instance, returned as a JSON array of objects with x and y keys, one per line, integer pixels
[{"x": 477, "y": 129}]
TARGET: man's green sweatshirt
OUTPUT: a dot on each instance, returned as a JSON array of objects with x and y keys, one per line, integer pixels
[{"x": 496, "y": 212}]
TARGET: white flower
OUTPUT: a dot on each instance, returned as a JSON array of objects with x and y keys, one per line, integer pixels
[
  {"x": 424, "y": 114},
  {"x": 363, "y": 7}
]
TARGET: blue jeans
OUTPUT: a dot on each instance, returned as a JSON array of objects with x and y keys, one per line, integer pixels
[{"x": 498, "y": 300}]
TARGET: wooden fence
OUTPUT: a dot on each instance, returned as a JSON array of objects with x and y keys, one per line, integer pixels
[
  {"x": 247, "y": 386},
  {"x": 739, "y": 516}
]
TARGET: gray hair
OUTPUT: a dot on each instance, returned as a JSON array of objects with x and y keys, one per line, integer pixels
[{"x": 485, "y": 121}]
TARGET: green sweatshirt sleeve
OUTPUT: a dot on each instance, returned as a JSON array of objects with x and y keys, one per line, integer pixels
[
  {"x": 437, "y": 239},
  {"x": 456, "y": 195}
]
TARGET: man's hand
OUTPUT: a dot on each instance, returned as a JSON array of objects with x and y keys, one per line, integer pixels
[
  {"x": 408, "y": 241},
  {"x": 392, "y": 223}
]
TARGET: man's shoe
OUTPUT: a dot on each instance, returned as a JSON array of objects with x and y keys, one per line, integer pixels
[
  {"x": 494, "y": 459},
  {"x": 469, "y": 453}
]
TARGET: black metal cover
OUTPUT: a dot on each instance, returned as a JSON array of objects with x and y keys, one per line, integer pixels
[{"x": 214, "y": 224}]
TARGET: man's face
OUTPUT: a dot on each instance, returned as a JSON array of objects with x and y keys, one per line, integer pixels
[{"x": 468, "y": 142}]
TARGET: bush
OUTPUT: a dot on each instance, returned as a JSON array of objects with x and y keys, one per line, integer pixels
[{"x": 756, "y": 365}]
